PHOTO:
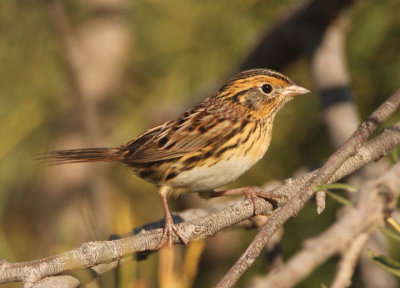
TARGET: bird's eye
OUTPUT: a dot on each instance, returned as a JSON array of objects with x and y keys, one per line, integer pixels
[{"x": 266, "y": 88}]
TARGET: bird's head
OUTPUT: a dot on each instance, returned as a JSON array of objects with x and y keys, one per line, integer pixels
[{"x": 259, "y": 93}]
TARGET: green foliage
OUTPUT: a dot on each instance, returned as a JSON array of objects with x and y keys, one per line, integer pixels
[
  {"x": 340, "y": 186},
  {"x": 335, "y": 196},
  {"x": 339, "y": 199},
  {"x": 391, "y": 234},
  {"x": 387, "y": 263}
]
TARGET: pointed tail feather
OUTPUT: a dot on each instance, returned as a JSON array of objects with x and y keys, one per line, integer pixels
[{"x": 82, "y": 155}]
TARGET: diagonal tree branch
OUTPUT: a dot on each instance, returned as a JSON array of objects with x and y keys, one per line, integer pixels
[
  {"x": 93, "y": 253},
  {"x": 290, "y": 209},
  {"x": 366, "y": 217}
]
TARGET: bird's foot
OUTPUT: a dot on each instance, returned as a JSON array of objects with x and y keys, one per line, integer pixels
[
  {"x": 169, "y": 227},
  {"x": 168, "y": 233},
  {"x": 252, "y": 193}
]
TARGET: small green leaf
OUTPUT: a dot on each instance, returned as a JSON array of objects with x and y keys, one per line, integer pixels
[
  {"x": 339, "y": 186},
  {"x": 339, "y": 199},
  {"x": 391, "y": 234},
  {"x": 387, "y": 263},
  {"x": 323, "y": 285}
]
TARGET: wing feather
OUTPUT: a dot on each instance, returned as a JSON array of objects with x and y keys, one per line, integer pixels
[{"x": 190, "y": 133}]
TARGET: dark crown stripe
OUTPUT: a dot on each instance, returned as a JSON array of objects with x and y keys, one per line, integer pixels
[
  {"x": 247, "y": 75},
  {"x": 281, "y": 77},
  {"x": 259, "y": 72}
]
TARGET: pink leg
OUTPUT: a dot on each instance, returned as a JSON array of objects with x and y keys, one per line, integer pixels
[
  {"x": 169, "y": 227},
  {"x": 251, "y": 193}
]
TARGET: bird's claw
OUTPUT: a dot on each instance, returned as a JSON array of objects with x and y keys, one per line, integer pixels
[
  {"x": 168, "y": 233},
  {"x": 253, "y": 193}
]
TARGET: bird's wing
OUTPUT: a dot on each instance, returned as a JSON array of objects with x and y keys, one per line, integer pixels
[{"x": 192, "y": 132}]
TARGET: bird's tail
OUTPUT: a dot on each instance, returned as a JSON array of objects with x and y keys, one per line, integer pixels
[{"x": 82, "y": 155}]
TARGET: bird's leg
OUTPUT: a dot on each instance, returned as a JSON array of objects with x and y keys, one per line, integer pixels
[
  {"x": 169, "y": 227},
  {"x": 250, "y": 193}
]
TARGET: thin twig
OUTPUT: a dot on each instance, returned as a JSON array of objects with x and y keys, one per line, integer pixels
[
  {"x": 365, "y": 217},
  {"x": 93, "y": 253},
  {"x": 348, "y": 262},
  {"x": 320, "y": 198},
  {"x": 102, "y": 252}
]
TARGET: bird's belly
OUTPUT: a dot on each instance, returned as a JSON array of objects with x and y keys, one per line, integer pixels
[{"x": 205, "y": 178}]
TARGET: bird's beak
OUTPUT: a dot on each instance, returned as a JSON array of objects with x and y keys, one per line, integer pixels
[{"x": 294, "y": 90}]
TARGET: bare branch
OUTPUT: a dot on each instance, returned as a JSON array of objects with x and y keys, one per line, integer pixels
[
  {"x": 364, "y": 130},
  {"x": 366, "y": 217},
  {"x": 93, "y": 253},
  {"x": 348, "y": 263},
  {"x": 64, "y": 281},
  {"x": 101, "y": 252}
]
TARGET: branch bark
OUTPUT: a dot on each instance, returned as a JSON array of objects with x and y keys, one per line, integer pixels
[
  {"x": 366, "y": 217},
  {"x": 348, "y": 262},
  {"x": 290, "y": 209},
  {"x": 94, "y": 253}
]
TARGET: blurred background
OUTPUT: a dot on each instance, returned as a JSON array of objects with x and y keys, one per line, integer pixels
[{"x": 98, "y": 73}]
